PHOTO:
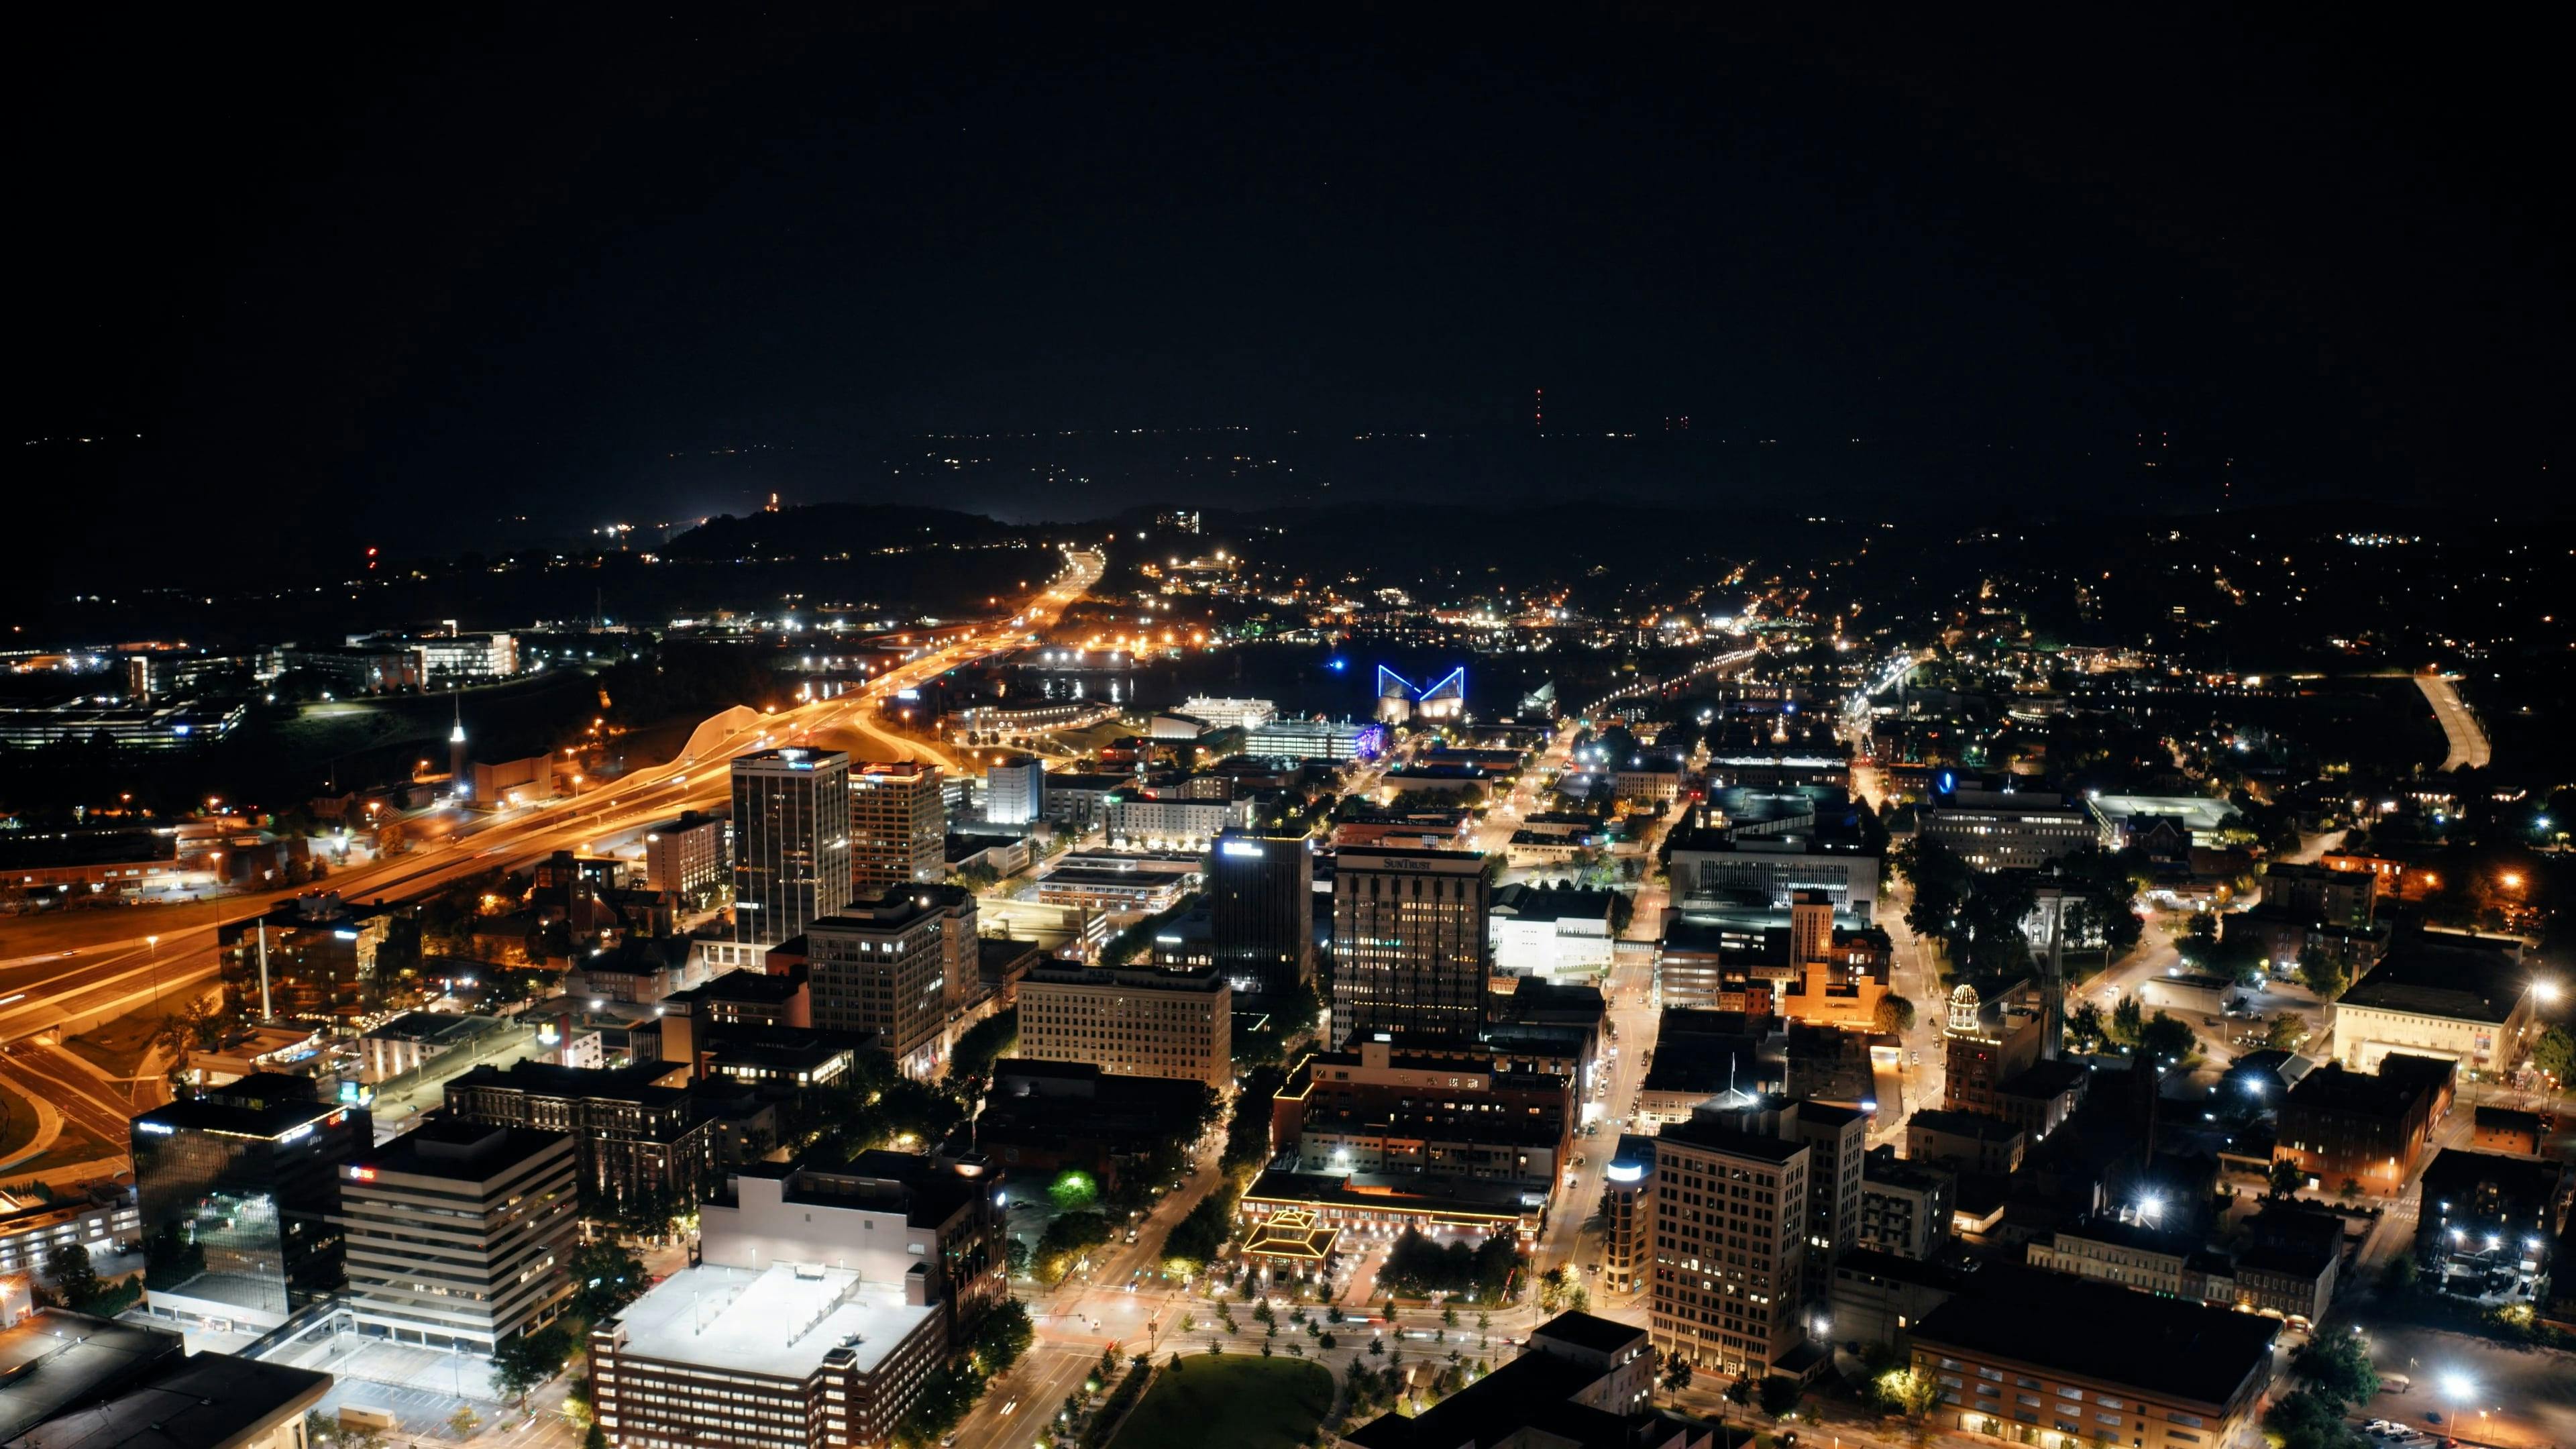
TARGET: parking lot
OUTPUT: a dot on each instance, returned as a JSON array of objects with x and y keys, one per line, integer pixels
[{"x": 2517, "y": 1398}]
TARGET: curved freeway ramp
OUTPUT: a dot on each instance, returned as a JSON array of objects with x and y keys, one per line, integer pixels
[{"x": 2469, "y": 749}]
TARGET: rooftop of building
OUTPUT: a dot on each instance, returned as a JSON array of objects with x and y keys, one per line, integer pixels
[
  {"x": 794, "y": 758},
  {"x": 2044, "y": 1079},
  {"x": 2138, "y": 1237},
  {"x": 926, "y": 1191},
  {"x": 1537, "y": 998},
  {"x": 2424, "y": 975},
  {"x": 2435, "y": 1074},
  {"x": 1126, "y": 877},
  {"x": 636, "y": 1083},
  {"x": 1020, "y": 1082},
  {"x": 1589, "y": 1332},
  {"x": 749, "y": 987},
  {"x": 2199, "y": 812},
  {"x": 1349, "y": 858},
  {"x": 1884, "y": 1167},
  {"x": 1875, "y": 1263},
  {"x": 2506, "y": 1119},
  {"x": 686, "y": 820},
  {"x": 1191, "y": 980},
  {"x": 2335, "y": 1088},
  {"x": 458, "y": 1151},
  {"x": 2296, "y": 1261},
  {"x": 2456, "y": 1173},
  {"x": 55, "y": 1359},
  {"x": 1391, "y": 1192},
  {"x": 778, "y": 1322},
  {"x": 2037, "y": 800},
  {"x": 892, "y": 910},
  {"x": 1540, "y": 903},
  {"x": 2156, "y": 1345},
  {"x": 430, "y": 1028},
  {"x": 1534, "y": 1391},
  {"x": 1716, "y": 1136},
  {"x": 263, "y": 1104},
  {"x": 778, "y": 1048},
  {"x": 1962, "y": 1124},
  {"x": 1829, "y": 1114},
  {"x": 209, "y": 1401}
]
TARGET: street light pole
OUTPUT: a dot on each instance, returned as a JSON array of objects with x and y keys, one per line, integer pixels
[{"x": 152, "y": 944}]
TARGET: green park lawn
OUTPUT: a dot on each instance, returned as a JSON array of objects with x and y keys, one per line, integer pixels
[{"x": 1240, "y": 1400}]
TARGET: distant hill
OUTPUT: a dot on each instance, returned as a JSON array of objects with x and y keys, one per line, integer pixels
[{"x": 824, "y": 529}]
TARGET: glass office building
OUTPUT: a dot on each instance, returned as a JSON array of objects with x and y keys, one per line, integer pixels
[{"x": 237, "y": 1190}]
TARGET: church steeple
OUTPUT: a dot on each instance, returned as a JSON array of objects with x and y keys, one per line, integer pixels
[{"x": 458, "y": 782}]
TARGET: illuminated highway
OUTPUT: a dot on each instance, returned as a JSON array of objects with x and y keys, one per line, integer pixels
[
  {"x": 84, "y": 965},
  {"x": 2468, "y": 743}
]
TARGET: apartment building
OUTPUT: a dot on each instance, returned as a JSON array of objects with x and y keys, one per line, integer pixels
[
  {"x": 686, "y": 857},
  {"x": 1730, "y": 1245},
  {"x": 890, "y": 966},
  {"x": 1378, "y": 1109},
  {"x": 1132, "y": 1023},
  {"x": 1144, "y": 823},
  {"x": 2171, "y": 1264},
  {"x": 898, "y": 827},
  {"x": 633, "y": 1140},
  {"x": 1905, "y": 1206},
  {"x": 2339, "y": 1125}
]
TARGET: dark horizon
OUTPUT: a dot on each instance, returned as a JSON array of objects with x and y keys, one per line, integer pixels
[{"x": 404, "y": 285}]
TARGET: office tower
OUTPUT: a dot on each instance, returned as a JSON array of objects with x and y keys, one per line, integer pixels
[
  {"x": 880, "y": 965},
  {"x": 1015, "y": 792},
  {"x": 1730, "y": 1245},
  {"x": 898, "y": 827},
  {"x": 1261, "y": 918},
  {"x": 237, "y": 1190},
  {"x": 460, "y": 1234},
  {"x": 791, "y": 841},
  {"x": 1410, "y": 950}
]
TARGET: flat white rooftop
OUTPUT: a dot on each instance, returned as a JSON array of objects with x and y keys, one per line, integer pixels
[
  {"x": 2197, "y": 812},
  {"x": 779, "y": 1321}
]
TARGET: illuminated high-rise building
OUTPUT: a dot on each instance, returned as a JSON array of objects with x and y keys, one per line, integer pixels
[
  {"x": 898, "y": 827},
  {"x": 1411, "y": 952},
  {"x": 1261, "y": 912},
  {"x": 791, "y": 839}
]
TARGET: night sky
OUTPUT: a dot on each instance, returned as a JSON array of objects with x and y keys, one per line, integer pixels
[{"x": 396, "y": 283}]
